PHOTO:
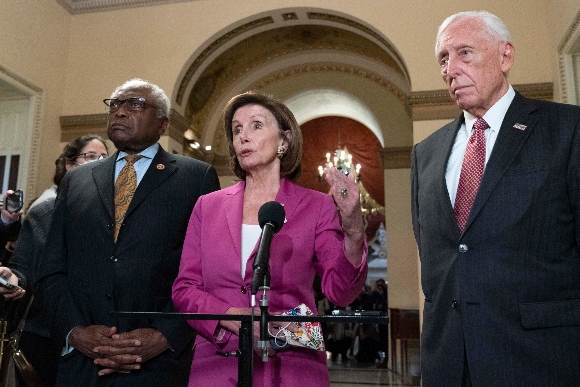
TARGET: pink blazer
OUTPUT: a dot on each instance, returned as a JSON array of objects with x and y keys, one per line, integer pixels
[{"x": 209, "y": 279}]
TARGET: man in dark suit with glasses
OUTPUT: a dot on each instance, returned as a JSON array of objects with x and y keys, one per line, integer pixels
[{"x": 115, "y": 245}]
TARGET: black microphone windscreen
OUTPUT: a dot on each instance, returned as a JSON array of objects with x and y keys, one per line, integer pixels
[{"x": 272, "y": 212}]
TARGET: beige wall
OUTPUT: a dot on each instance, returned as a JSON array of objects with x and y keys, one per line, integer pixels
[
  {"x": 401, "y": 248},
  {"x": 34, "y": 47}
]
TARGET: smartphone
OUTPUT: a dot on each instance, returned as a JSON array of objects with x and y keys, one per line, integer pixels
[
  {"x": 14, "y": 202},
  {"x": 9, "y": 285}
]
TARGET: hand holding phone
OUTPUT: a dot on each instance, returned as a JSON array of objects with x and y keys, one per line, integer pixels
[
  {"x": 14, "y": 202},
  {"x": 9, "y": 285}
]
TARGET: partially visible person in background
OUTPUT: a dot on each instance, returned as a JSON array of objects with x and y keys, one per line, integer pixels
[
  {"x": 9, "y": 229},
  {"x": 380, "y": 298},
  {"x": 40, "y": 350}
]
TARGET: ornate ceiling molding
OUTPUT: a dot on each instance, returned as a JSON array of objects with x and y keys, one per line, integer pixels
[
  {"x": 76, "y": 7},
  {"x": 274, "y": 35},
  {"x": 368, "y": 31},
  {"x": 213, "y": 47},
  {"x": 330, "y": 67}
]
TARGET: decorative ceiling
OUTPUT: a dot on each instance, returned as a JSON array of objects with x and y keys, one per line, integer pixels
[
  {"x": 86, "y": 6},
  {"x": 266, "y": 47}
]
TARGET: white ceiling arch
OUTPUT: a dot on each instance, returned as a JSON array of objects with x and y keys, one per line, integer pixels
[{"x": 317, "y": 103}]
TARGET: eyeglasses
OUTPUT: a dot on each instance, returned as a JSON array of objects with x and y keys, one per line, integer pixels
[
  {"x": 92, "y": 156},
  {"x": 131, "y": 104}
]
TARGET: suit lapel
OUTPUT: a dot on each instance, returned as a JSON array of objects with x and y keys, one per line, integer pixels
[
  {"x": 508, "y": 144},
  {"x": 162, "y": 166},
  {"x": 235, "y": 201},
  {"x": 103, "y": 176},
  {"x": 441, "y": 159}
]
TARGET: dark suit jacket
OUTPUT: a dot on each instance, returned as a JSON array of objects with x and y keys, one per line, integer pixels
[
  {"x": 8, "y": 233},
  {"x": 9, "y": 309},
  {"x": 27, "y": 257},
  {"x": 85, "y": 274},
  {"x": 505, "y": 294}
]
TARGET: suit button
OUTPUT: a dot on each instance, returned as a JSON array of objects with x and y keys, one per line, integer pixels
[
  {"x": 110, "y": 225},
  {"x": 454, "y": 303},
  {"x": 113, "y": 259},
  {"x": 108, "y": 297},
  {"x": 463, "y": 248},
  {"x": 243, "y": 290}
]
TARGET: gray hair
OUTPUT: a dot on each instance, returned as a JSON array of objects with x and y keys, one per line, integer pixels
[
  {"x": 495, "y": 27},
  {"x": 161, "y": 99}
]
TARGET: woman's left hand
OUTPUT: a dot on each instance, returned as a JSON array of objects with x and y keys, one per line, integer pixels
[{"x": 346, "y": 196}]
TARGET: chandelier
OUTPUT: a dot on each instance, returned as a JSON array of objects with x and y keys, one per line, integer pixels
[{"x": 342, "y": 160}]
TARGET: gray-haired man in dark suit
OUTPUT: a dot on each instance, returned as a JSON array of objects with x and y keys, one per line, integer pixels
[{"x": 501, "y": 276}]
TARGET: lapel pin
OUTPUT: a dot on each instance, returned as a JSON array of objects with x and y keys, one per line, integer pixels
[
  {"x": 520, "y": 126},
  {"x": 160, "y": 167}
]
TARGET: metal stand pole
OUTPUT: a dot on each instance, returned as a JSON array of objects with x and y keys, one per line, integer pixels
[
  {"x": 264, "y": 341},
  {"x": 245, "y": 355}
]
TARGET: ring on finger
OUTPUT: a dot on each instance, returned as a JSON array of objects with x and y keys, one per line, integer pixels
[{"x": 344, "y": 192}]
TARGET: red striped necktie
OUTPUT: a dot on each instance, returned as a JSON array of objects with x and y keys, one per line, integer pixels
[{"x": 471, "y": 173}]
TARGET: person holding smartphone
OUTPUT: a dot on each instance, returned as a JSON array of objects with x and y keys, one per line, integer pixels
[
  {"x": 40, "y": 350},
  {"x": 9, "y": 226}
]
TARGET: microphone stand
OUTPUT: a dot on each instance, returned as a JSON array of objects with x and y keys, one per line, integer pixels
[
  {"x": 264, "y": 341},
  {"x": 245, "y": 352}
]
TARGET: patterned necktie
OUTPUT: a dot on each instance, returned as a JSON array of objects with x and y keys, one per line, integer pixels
[
  {"x": 124, "y": 189},
  {"x": 471, "y": 173}
]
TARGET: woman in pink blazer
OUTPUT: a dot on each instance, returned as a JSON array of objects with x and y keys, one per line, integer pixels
[{"x": 216, "y": 267}]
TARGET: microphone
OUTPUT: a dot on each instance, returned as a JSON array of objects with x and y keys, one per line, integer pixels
[{"x": 271, "y": 219}]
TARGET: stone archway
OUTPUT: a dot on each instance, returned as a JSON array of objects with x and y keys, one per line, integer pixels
[{"x": 289, "y": 53}]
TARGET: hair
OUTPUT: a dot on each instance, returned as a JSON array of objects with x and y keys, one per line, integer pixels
[
  {"x": 291, "y": 162},
  {"x": 71, "y": 151},
  {"x": 494, "y": 26},
  {"x": 161, "y": 99},
  {"x": 60, "y": 170}
]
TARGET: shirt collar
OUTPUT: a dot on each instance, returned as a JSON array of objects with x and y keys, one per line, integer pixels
[
  {"x": 495, "y": 115},
  {"x": 148, "y": 152}
]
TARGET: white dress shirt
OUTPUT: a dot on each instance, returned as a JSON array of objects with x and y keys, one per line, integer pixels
[{"x": 494, "y": 118}]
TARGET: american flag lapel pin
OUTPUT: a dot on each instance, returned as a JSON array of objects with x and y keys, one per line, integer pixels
[{"x": 520, "y": 126}]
